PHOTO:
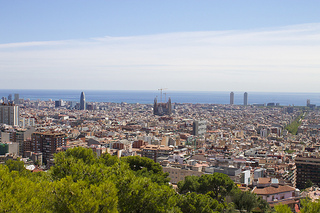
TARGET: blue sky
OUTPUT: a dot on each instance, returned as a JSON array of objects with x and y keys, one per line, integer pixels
[{"x": 144, "y": 45}]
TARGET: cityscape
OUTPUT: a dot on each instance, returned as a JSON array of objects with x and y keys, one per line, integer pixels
[
  {"x": 177, "y": 106},
  {"x": 259, "y": 147}
]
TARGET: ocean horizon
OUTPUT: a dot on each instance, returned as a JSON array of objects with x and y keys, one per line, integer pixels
[{"x": 147, "y": 96}]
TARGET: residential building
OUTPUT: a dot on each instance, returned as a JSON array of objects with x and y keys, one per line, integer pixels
[
  {"x": 9, "y": 114},
  {"x": 47, "y": 143},
  {"x": 155, "y": 151},
  {"x": 274, "y": 192},
  {"x": 177, "y": 174},
  {"x": 308, "y": 169},
  {"x": 199, "y": 127}
]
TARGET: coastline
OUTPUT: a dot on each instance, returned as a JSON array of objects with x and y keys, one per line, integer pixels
[{"x": 147, "y": 97}]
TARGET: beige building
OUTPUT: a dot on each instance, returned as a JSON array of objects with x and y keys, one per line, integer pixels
[
  {"x": 155, "y": 151},
  {"x": 177, "y": 174}
]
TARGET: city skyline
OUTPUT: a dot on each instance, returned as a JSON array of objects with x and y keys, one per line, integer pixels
[{"x": 207, "y": 46}]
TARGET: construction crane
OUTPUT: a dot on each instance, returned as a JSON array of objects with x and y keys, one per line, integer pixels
[
  {"x": 165, "y": 97},
  {"x": 161, "y": 89}
]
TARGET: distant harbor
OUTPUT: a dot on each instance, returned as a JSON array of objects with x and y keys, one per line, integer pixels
[{"x": 147, "y": 97}]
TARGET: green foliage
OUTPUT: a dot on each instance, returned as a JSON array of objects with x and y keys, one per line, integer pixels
[
  {"x": 245, "y": 200},
  {"x": 16, "y": 165},
  {"x": 86, "y": 155},
  {"x": 81, "y": 182},
  {"x": 20, "y": 194},
  {"x": 249, "y": 201},
  {"x": 108, "y": 160},
  {"x": 263, "y": 205},
  {"x": 81, "y": 196},
  {"x": 289, "y": 151},
  {"x": 137, "y": 163},
  {"x": 145, "y": 167},
  {"x": 190, "y": 184},
  {"x": 142, "y": 195},
  {"x": 310, "y": 207},
  {"x": 293, "y": 126},
  {"x": 280, "y": 208},
  {"x": 217, "y": 185},
  {"x": 193, "y": 203}
]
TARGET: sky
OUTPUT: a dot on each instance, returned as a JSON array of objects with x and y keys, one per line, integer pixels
[{"x": 226, "y": 45}]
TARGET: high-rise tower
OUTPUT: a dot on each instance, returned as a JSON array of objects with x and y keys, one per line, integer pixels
[
  {"x": 231, "y": 98},
  {"x": 245, "y": 99},
  {"x": 82, "y": 101},
  {"x": 9, "y": 114}
]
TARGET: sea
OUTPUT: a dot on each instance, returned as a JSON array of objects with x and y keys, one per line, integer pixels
[{"x": 147, "y": 97}]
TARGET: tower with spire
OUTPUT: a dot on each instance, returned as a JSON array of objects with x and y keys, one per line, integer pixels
[
  {"x": 162, "y": 108},
  {"x": 82, "y": 101}
]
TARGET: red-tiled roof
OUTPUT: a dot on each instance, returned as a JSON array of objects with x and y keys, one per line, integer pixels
[{"x": 273, "y": 190}]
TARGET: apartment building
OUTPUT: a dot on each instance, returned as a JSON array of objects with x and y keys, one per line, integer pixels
[
  {"x": 308, "y": 168},
  {"x": 47, "y": 143},
  {"x": 9, "y": 114},
  {"x": 155, "y": 151}
]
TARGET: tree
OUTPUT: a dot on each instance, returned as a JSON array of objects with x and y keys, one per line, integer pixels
[
  {"x": 15, "y": 165},
  {"x": 220, "y": 185},
  {"x": 80, "y": 196},
  {"x": 81, "y": 182},
  {"x": 310, "y": 207},
  {"x": 245, "y": 200},
  {"x": 217, "y": 185},
  {"x": 145, "y": 167},
  {"x": 140, "y": 194},
  {"x": 193, "y": 203},
  {"x": 281, "y": 208},
  {"x": 263, "y": 205},
  {"x": 109, "y": 160},
  {"x": 78, "y": 170},
  {"x": 249, "y": 201},
  {"x": 18, "y": 193},
  {"x": 87, "y": 155},
  {"x": 137, "y": 163},
  {"x": 190, "y": 184}
]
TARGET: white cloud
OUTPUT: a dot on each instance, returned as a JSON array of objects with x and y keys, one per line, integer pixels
[{"x": 281, "y": 59}]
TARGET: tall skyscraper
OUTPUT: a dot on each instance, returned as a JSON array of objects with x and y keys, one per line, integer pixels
[
  {"x": 9, "y": 114},
  {"x": 82, "y": 101},
  {"x": 16, "y": 99},
  {"x": 231, "y": 98},
  {"x": 245, "y": 99}
]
